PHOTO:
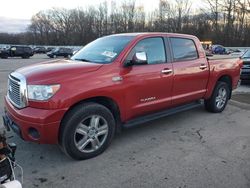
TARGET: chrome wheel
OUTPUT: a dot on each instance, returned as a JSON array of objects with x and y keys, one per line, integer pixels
[
  {"x": 221, "y": 98},
  {"x": 91, "y": 133}
]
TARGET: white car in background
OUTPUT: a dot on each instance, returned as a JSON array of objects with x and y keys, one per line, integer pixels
[{"x": 237, "y": 52}]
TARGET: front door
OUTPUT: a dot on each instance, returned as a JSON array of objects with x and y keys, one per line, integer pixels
[{"x": 149, "y": 85}]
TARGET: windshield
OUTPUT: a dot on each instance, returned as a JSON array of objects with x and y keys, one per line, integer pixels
[
  {"x": 103, "y": 50},
  {"x": 247, "y": 54},
  {"x": 55, "y": 50}
]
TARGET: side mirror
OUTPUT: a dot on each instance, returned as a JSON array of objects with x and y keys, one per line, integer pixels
[{"x": 139, "y": 58}]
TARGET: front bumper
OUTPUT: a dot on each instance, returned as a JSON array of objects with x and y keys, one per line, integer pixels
[{"x": 32, "y": 124}]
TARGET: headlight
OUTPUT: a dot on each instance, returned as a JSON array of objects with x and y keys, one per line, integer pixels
[{"x": 42, "y": 92}]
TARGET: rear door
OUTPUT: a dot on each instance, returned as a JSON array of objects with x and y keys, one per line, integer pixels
[
  {"x": 149, "y": 86},
  {"x": 191, "y": 71},
  {"x": 19, "y": 51}
]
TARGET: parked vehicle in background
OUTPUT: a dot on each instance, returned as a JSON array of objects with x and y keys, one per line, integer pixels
[
  {"x": 245, "y": 73},
  {"x": 236, "y": 52},
  {"x": 40, "y": 50},
  {"x": 17, "y": 51},
  {"x": 207, "y": 46},
  {"x": 218, "y": 49},
  {"x": 60, "y": 52},
  {"x": 113, "y": 82},
  {"x": 75, "y": 50},
  {"x": 50, "y": 49}
]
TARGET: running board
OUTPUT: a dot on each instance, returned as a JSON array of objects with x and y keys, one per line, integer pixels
[{"x": 157, "y": 115}]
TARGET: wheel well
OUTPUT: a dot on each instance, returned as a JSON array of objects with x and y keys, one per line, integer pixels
[
  {"x": 105, "y": 101},
  {"x": 228, "y": 81}
]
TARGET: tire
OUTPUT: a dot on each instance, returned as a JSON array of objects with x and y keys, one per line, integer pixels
[
  {"x": 54, "y": 56},
  {"x": 87, "y": 131},
  {"x": 25, "y": 56},
  {"x": 219, "y": 98},
  {"x": 67, "y": 56}
]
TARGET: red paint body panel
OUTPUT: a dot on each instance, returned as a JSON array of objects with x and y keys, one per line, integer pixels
[
  {"x": 145, "y": 82},
  {"x": 223, "y": 67},
  {"x": 47, "y": 122},
  {"x": 81, "y": 81}
]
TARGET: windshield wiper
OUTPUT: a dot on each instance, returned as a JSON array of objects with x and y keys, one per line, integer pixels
[{"x": 85, "y": 60}]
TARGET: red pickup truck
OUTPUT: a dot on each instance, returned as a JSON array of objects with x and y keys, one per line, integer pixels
[{"x": 113, "y": 82}]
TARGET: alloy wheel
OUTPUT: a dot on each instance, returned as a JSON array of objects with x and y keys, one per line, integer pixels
[{"x": 91, "y": 133}]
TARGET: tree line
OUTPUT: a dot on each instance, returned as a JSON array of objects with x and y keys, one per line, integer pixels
[{"x": 225, "y": 22}]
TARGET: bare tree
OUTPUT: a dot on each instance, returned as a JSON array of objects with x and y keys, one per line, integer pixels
[{"x": 224, "y": 21}]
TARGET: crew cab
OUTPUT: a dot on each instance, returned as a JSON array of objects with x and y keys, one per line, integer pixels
[{"x": 115, "y": 81}]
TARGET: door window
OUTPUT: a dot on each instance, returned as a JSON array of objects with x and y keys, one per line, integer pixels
[
  {"x": 183, "y": 49},
  {"x": 61, "y": 50},
  {"x": 154, "y": 48}
]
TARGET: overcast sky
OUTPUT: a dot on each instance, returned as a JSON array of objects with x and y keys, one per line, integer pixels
[
  {"x": 24, "y": 9},
  {"x": 15, "y": 14}
]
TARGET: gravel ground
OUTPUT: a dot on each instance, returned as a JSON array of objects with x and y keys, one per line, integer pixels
[
  {"x": 244, "y": 98},
  {"x": 189, "y": 149}
]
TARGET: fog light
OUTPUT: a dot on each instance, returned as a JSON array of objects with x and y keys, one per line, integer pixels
[{"x": 34, "y": 133}]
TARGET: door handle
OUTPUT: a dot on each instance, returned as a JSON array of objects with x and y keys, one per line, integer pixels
[
  {"x": 166, "y": 71},
  {"x": 203, "y": 67}
]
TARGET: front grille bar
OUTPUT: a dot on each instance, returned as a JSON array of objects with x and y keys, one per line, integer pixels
[{"x": 17, "y": 90}]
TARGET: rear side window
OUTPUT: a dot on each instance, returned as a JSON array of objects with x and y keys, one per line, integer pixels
[
  {"x": 19, "y": 49},
  {"x": 183, "y": 49},
  {"x": 25, "y": 49}
]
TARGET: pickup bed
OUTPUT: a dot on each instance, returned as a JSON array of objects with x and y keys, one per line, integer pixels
[{"x": 115, "y": 81}]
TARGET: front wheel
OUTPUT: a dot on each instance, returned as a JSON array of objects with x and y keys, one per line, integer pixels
[
  {"x": 219, "y": 98},
  {"x": 87, "y": 131}
]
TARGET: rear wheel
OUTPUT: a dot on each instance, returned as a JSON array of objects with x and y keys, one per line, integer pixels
[
  {"x": 219, "y": 98},
  {"x": 87, "y": 131},
  {"x": 26, "y": 56}
]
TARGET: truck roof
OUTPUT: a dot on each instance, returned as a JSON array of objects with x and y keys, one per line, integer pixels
[{"x": 154, "y": 34}]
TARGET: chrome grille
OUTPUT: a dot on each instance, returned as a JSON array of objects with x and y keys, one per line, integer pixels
[
  {"x": 246, "y": 66},
  {"x": 14, "y": 92},
  {"x": 17, "y": 90}
]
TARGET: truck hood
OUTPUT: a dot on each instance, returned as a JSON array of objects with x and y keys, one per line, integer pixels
[{"x": 56, "y": 71}]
